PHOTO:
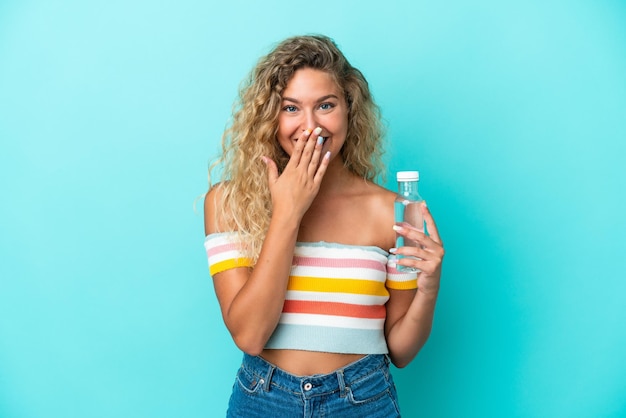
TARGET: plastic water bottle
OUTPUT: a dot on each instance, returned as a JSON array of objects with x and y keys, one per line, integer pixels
[{"x": 408, "y": 208}]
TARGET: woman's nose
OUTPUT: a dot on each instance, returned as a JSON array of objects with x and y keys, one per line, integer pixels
[{"x": 310, "y": 120}]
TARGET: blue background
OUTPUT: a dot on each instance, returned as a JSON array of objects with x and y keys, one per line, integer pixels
[{"x": 514, "y": 112}]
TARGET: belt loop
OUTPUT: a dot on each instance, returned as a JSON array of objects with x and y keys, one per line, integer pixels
[
  {"x": 342, "y": 384},
  {"x": 386, "y": 369},
  {"x": 268, "y": 378}
]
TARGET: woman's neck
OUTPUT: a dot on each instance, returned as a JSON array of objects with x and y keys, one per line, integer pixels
[{"x": 337, "y": 179}]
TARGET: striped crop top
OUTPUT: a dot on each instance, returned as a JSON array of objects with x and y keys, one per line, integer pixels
[{"x": 336, "y": 294}]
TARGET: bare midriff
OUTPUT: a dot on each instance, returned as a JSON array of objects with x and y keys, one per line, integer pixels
[{"x": 307, "y": 363}]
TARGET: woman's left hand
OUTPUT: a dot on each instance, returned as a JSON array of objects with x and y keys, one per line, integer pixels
[{"x": 427, "y": 256}]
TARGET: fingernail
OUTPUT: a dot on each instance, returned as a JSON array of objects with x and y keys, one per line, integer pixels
[
  {"x": 424, "y": 203},
  {"x": 317, "y": 131},
  {"x": 307, "y": 132},
  {"x": 397, "y": 228},
  {"x": 327, "y": 155},
  {"x": 393, "y": 250},
  {"x": 320, "y": 140}
]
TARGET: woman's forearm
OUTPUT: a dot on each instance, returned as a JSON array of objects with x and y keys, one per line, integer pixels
[
  {"x": 255, "y": 310},
  {"x": 409, "y": 334}
]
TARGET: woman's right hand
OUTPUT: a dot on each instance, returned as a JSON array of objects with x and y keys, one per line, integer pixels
[{"x": 296, "y": 187}]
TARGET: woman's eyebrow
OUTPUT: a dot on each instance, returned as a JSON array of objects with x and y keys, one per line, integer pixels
[
  {"x": 328, "y": 96},
  {"x": 321, "y": 99},
  {"x": 289, "y": 99}
]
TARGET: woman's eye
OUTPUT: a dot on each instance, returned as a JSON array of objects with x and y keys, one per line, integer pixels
[
  {"x": 289, "y": 108},
  {"x": 326, "y": 106}
]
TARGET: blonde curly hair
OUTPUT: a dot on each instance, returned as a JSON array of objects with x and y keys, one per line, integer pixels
[{"x": 246, "y": 205}]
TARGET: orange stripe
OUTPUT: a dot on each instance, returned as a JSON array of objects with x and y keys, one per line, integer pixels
[{"x": 335, "y": 308}]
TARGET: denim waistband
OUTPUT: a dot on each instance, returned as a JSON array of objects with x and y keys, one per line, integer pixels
[{"x": 318, "y": 384}]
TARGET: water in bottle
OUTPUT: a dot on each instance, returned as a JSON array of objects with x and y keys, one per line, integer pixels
[{"x": 408, "y": 208}]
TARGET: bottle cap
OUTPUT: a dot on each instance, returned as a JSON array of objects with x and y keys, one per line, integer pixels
[{"x": 408, "y": 176}]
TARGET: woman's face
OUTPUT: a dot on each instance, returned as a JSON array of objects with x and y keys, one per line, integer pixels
[{"x": 312, "y": 99}]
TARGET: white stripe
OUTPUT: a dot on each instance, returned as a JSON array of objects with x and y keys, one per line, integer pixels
[
  {"x": 340, "y": 273},
  {"x": 226, "y": 255},
  {"x": 339, "y": 252},
  {"x": 402, "y": 277},
  {"x": 331, "y": 321},
  {"x": 336, "y": 297},
  {"x": 219, "y": 239}
]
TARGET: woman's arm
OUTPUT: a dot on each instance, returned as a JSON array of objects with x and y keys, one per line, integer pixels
[
  {"x": 251, "y": 300},
  {"x": 410, "y": 313}
]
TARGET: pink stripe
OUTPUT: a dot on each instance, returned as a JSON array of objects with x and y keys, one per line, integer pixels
[
  {"x": 339, "y": 262},
  {"x": 218, "y": 249},
  {"x": 393, "y": 270}
]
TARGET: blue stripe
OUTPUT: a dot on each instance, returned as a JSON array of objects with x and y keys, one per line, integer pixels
[{"x": 328, "y": 339}]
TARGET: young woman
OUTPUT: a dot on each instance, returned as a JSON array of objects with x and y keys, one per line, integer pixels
[{"x": 300, "y": 244}]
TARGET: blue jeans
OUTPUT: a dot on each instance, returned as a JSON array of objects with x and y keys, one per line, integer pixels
[{"x": 361, "y": 389}]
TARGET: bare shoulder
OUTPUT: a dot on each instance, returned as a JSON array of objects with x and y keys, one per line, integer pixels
[
  {"x": 381, "y": 194},
  {"x": 378, "y": 205},
  {"x": 212, "y": 201},
  {"x": 377, "y": 197}
]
